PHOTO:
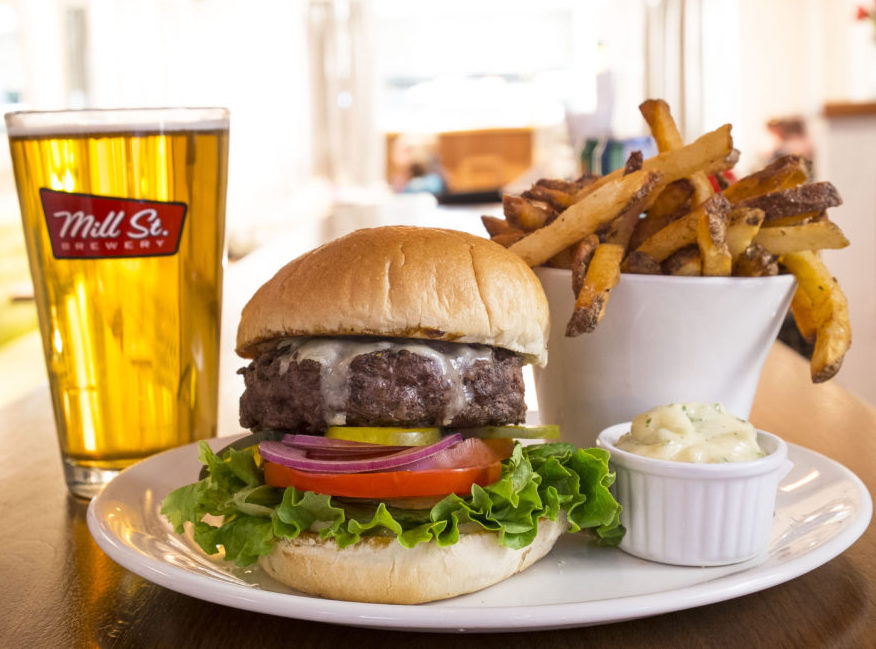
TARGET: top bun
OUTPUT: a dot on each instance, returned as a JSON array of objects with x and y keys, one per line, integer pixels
[{"x": 403, "y": 282}]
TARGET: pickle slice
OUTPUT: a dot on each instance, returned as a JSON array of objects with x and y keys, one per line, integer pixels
[
  {"x": 386, "y": 435},
  {"x": 519, "y": 431}
]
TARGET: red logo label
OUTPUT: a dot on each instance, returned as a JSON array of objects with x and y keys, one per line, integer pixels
[{"x": 82, "y": 225}]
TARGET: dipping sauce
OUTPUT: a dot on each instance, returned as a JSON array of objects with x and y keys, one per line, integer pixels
[{"x": 692, "y": 432}]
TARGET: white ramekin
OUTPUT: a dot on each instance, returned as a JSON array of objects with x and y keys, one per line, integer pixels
[{"x": 696, "y": 514}]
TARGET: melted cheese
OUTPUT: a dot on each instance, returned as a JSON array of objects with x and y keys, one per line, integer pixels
[
  {"x": 692, "y": 432},
  {"x": 334, "y": 356}
]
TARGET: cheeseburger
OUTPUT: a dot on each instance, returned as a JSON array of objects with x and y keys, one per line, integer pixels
[{"x": 385, "y": 384}]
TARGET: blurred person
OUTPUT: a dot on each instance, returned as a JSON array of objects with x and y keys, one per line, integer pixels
[
  {"x": 789, "y": 137},
  {"x": 416, "y": 166}
]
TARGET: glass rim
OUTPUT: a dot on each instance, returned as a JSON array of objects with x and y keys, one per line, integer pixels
[{"x": 31, "y": 123}]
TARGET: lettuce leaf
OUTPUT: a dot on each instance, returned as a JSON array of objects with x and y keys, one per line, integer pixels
[{"x": 537, "y": 481}]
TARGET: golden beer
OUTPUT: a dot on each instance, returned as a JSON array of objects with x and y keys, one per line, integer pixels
[{"x": 129, "y": 317}]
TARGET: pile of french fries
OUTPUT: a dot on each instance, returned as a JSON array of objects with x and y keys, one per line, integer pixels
[{"x": 675, "y": 214}]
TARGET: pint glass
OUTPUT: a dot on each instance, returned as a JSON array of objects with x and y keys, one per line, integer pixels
[{"x": 124, "y": 221}]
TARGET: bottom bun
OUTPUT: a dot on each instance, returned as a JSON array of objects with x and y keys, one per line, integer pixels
[{"x": 379, "y": 569}]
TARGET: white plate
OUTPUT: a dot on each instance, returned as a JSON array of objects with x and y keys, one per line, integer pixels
[{"x": 822, "y": 508}]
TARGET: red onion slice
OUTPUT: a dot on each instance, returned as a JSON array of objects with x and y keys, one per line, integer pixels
[
  {"x": 343, "y": 456},
  {"x": 296, "y": 458}
]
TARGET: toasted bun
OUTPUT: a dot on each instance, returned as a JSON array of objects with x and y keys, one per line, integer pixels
[
  {"x": 404, "y": 282},
  {"x": 380, "y": 570}
]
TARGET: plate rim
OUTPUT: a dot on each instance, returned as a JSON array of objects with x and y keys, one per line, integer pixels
[{"x": 427, "y": 618}]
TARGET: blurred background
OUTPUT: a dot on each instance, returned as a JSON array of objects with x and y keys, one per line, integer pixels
[{"x": 352, "y": 113}]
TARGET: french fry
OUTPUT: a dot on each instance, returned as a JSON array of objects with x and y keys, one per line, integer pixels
[
  {"x": 797, "y": 219},
  {"x": 814, "y": 197},
  {"x": 703, "y": 188},
  {"x": 682, "y": 232},
  {"x": 755, "y": 261},
  {"x": 712, "y": 242},
  {"x": 615, "y": 242},
  {"x": 675, "y": 199},
  {"x": 650, "y": 224},
  {"x": 524, "y": 214},
  {"x": 783, "y": 173},
  {"x": 563, "y": 259},
  {"x": 671, "y": 203},
  {"x": 494, "y": 225},
  {"x": 833, "y": 331},
  {"x": 634, "y": 162},
  {"x": 638, "y": 263},
  {"x": 565, "y": 186},
  {"x": 594, "y": 286},
  {"x": 804, "y": 316},
  {"x": 620, "y": 230},
  {"x": 744, "y": 225},
  {"x": 679, "y": 233},
  {"x": 585, "y": 217},
  {"x": 556, "y": 198},
  {"x": 718, "y": 165},
  {"x": 707, "y": 151},
  {"x": 663, "y": 128},
  {"x": 508, "y": 238},
  {"x": 603, "y": 274},
  {"x": 583, "y": 253},
  {"x": 809, "y": 236},
  {"x": 686, "y": 261}
]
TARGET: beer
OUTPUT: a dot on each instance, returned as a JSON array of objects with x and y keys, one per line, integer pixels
[{"x": 124, "y": 226}]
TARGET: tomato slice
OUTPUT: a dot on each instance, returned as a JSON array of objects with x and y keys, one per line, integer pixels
[
  {"x": 387, "y": 484},
  {"x": 452, "y": 470},
  {"x": 469, "y": 452}
]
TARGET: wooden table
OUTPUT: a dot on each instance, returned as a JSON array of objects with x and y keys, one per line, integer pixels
[{"x": 58, "y": 589}]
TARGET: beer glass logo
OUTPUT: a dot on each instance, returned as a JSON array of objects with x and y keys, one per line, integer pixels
[{"x": 94, "y": 227}]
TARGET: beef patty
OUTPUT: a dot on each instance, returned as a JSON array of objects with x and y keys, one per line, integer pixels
[{"x": 305, "y": 385}]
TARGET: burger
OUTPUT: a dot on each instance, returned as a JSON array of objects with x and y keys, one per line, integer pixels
[
  {"x": 385, "y": 391},
  {"x": 393, "y": 326}
]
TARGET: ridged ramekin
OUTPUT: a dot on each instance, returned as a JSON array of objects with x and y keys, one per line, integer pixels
[{"x": 690, "y": 514}]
